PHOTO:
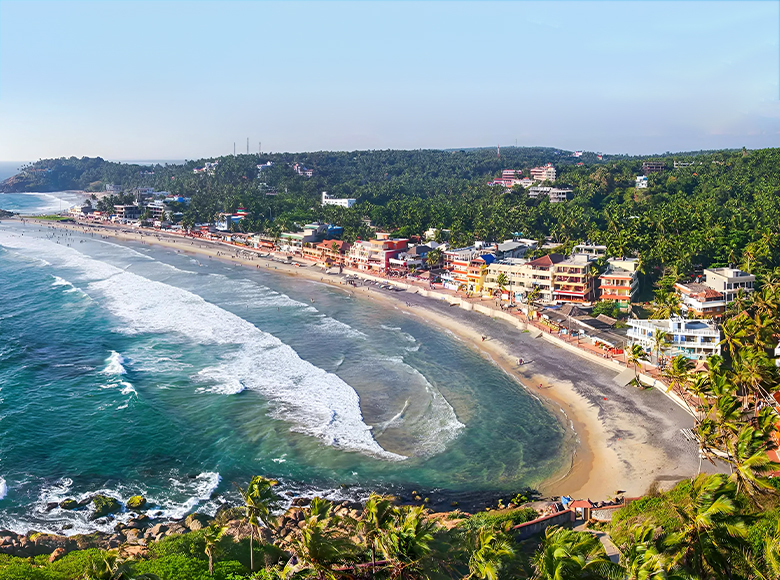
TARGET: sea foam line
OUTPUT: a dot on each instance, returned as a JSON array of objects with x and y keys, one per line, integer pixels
[{"x": 315, "y": 402}]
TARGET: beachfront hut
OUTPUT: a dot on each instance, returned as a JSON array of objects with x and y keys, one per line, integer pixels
[{"x": 581, "y": 508}]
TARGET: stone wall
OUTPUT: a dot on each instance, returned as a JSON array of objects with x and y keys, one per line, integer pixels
[{"x": 538, "y": 525}]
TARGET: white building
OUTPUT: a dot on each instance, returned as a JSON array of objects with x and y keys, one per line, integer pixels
[
  {"x": 594, "y": 250},
  {"x": 641, "y": 182},
  {"x": 343, "y": 202},
  {"x": 728, "y": 281},
  {"x": 543, "y": 173},
  {"x": 113, "y": 188},
  {"x": 555, "y": 194},
  {"x": 693, "y": 339}
]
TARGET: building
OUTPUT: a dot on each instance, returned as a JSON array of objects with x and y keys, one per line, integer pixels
[
  {"x": 327, "y": 252},
  {"x": 543, "y": 173},
  {"x": 511, "y": 249},
  {"x": 641, "y": 182},
  {"x": 573, "y": 280},
  {"x": 301, "y": 170},
  {"x": 593, "y": 250},
  {"x": 555, "y": 194},
  {"x": 208, "y": 168},
  {"x": 620, "y": 282},
  {"x": 652, "y": 167},
  {"x": 374, "y": 255},
  {"x": 127, "y": 212},
  {"x": 729, "y": 281},
  {"x": 113, "y": 188},
  {"x": 700, "y": 300},
  {"x": 157, "y": 209},
  {"x": 539, "y": 275},
  {"x": 343, "y": 202},
  {"x": 414, "y": 257},
  {"x": 514, "y": 272},
  {"x": 693, "y": 339}
]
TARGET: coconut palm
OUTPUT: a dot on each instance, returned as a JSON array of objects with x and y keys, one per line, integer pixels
[
  {"x": 259, "y": 502},
  {"x": 211, "y": 536},
  {"x": 665, "y": 305},
  {"x": 643, "y": 557},
  {"x": 502, "y": 281},
  {"x": 710, "y": 533},
  {"x": 634, "y": 355},
  {"x": 566, "y": 554},
  {"x": 752, "y": 465},
  {"x": 488, "y": 550},
  {"x": 736, "y": 333},
  {"x": 678, "y": 372},
  {"x": 322, "y": 543},
  {"x": 433, "y": 258},
  {"x": 660, "y": 342},
  {"x": 378, "y": 516},
  {"x": 409, "y": 541}
]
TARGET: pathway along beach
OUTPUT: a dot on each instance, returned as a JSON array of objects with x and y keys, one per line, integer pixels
[{"x": 629, "y": 438}]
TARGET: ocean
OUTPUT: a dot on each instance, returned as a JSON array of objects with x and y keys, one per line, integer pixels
[
  {"x": 40, "y": 203},
  {"x": 131, "y": 369}
]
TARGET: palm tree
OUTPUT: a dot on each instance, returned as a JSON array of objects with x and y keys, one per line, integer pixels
[
  {"x": 321, "y": 544},
  {"x": 502, "y": 281},
  {"x": 736, "y": 332},
  {"x": 643, "y": 557},
  {"x": 409, "y": 542},
  {"x": 665, "y": 305},
  {"x": 378, "y": 516},
  {"x": 488, "y": 549},
  {"x": 259, "y": 502},
  {"x": 660, "y": 342},
  {"x": 711, "y": 533},
  {"x": 634, "y": 356},
  {"x": 433, "y": 258},
  {"x": 211, "y": 536},
  {"x": 752, "y": 465},
  {"x": 566, "y": 554},
  {"x": 679, "y": 373}
]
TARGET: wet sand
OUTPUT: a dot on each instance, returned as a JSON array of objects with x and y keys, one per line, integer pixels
[{"x": 628, "y": 438}]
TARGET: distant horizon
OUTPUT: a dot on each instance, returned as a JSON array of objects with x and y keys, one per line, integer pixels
[{"x": 184, "y": 160}]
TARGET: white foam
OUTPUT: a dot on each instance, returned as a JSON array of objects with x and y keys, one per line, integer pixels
[
  {"x": 3, "y": 488},
  {"x": 316, "y": 403},
  {"x": 61, "y": 282},
  {"x": 128, "y": 389},
  {"x": 114, "y": 364}
]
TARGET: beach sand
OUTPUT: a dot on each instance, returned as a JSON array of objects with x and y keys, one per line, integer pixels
[{"x": 628, "y": 438}]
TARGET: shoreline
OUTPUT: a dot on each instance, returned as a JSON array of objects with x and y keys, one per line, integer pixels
[{"x": 602, "y": 463}]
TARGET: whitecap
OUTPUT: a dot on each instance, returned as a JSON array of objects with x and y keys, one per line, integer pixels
[
  {"x": 114, "y": 364},
  {"x": 3, "y": 488},
  {"x": 128, "y": 389},
  {"x": 316, "y": 403}
]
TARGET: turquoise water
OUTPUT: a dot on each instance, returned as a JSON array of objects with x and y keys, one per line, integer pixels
[
  {"x": 40, "y": 203},
  {"x": 132, "y": 369}
]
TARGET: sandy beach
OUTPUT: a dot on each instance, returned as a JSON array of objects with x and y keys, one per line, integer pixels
[{"x": 627, "y": 438}]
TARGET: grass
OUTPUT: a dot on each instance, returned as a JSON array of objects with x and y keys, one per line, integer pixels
[
  {"x": 499, "y": 518},
  {"x": 52, "y": 217}
]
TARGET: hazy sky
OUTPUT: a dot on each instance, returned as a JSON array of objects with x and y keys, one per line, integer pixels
[{"x": 172, "y": 80}]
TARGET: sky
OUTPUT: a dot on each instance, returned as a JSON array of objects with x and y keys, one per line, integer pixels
[{"x": 176, "y": 80}]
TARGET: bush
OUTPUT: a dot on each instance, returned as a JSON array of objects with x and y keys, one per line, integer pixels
[{"x": 499, "y": 519}]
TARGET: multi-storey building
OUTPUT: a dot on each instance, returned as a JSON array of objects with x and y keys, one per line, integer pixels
[
  {"x": 641, "y": 182},
  {"x": 620, "y": 282},
  {"x": 343, "y": 202},
  {"x": 700, "y": 300},
  {"x": 592, "y": 250},
  {"x": 573, "y": 281},
  {"x": 514, "y": 272},
  {"x": 652, "y": 167},
  {"x": 693, "y": 339},
  {"x": 729, "y": 281},
  {"x": 543, "y": 173},
  {"x": 374, "y": 255},
  {"x": 539, "y": 274},
  {"x": 556, "y": 194}
]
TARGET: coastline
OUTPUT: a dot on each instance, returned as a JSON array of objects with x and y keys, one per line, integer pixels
[{"x": 614, "y": 451}]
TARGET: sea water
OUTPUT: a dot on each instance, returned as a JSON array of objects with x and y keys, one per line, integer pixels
[
  {"x": 130, "y": 369},
  {"x": 41, "y": 203}
]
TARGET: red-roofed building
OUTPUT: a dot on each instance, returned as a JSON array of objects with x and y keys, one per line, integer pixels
[{"x": 701, "y": 300}]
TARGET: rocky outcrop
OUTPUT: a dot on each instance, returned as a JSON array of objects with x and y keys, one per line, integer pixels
[
  {"x": 69, "y": 504},
  {"x": 104, "y": 505},
  {"x": 196, "y": 521},
  {"x": 137, "y": 502}
]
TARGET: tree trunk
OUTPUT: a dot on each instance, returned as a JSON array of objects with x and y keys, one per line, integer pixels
[
  {"x": 211, "y": 564},
  {"x": 251, "y": 550}
]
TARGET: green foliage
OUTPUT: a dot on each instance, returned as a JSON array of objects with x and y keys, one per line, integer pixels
[
  {"x": 499, "y": 519},
  {"x": 608, "y": 307}
]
